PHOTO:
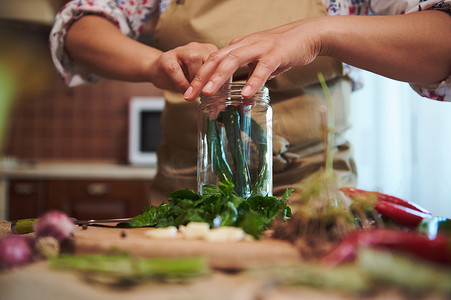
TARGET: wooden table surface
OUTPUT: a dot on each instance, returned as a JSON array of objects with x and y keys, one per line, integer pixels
[
  {"x": 38, "y": 281},
  {"x": 224, "y": 255}
]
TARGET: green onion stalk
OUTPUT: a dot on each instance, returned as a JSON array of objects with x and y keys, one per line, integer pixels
[
  {"x": 329, "y": 128},
  {"x": 321, "y": 213}
]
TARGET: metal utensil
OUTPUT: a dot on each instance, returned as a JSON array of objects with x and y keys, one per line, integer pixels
[{"x": 26, "y": 225}]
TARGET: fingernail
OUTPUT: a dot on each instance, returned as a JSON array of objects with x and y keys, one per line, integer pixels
[
  {"x": 246, "y": 91},
  {"x": 208, "y": 87},
  {"x": 188, "y": 92}
]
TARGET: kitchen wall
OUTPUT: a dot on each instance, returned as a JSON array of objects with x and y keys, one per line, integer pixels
[
  {"x": 52, "y": 122},
  {"x": 84, "y": 123}
]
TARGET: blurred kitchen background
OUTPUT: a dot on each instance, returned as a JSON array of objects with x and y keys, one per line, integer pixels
[
  {"x": 63, "y": 148},
  {"x": 67, "y": 147},
  {"x": 402, "y": 143}
]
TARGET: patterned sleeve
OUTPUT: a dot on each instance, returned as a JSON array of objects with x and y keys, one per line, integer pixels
[
  {"x": 396, "y": 7},
  {"x": 442, "y": 90},
  {"x": 128, "y": 15},
  {"x": 439, "y": 91}
]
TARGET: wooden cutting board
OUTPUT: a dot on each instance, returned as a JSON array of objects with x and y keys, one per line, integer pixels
[{"x": 227, "y": 255}]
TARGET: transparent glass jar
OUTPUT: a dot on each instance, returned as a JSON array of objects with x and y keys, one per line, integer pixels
[{"x": 235, "y": 141}]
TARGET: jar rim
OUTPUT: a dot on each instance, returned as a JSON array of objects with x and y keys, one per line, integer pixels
[{"x": 232, "y": 90}]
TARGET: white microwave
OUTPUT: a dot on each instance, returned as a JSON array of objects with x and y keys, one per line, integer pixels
[{"x": 144, "y": 131}]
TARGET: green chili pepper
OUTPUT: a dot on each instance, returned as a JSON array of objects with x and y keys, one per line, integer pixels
[
  {"x": 216, "y": 152},
  {"x": 231, "y": 120},
  {"x": 234, "y": 124},
  {"x": 258, "y": 136}
]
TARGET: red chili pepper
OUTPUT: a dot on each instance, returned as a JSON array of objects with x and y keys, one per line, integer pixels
[
  {"x": 354, "y": 193},
  {"x": 437, "y": 250},
  {"x": 401, "y": 202},
  {"x": 395, "y": 209},
  {"x": 401, "y": 215}
]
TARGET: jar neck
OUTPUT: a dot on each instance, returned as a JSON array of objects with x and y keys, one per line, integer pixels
[{"x": 230, "y": 93}]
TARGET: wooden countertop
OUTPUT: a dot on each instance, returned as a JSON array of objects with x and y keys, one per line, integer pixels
[
  {"x": 38, "y": 281},
  {"x": 77, "y": 170}
]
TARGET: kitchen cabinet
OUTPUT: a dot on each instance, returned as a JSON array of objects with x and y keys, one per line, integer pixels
[
  {"x": 84, "y": 192},
  {"x": 81, "y": 199},
  {"x": 27, "y": 198},
  {"x": 98, "y": 199}
]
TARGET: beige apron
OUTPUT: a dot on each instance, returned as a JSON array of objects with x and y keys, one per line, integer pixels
[{"x": 295, "y": 95}]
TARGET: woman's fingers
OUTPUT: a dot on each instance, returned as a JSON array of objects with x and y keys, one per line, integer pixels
[
  {"x": 194, "y": 57},
  {"x": 176, "y": 68},
  {"x": 262, "y": 71},
  {"x": 204, "y": 74},
  {"x": 175, "y": 74},
  {"x": 225, "y": 67},
  {"x": 267, "y": 54},
  {"x": 221, "y": 65},
  {"x": 193, "y": 62}
]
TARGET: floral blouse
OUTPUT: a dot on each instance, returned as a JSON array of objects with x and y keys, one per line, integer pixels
[{"x": 131, "y": 15}]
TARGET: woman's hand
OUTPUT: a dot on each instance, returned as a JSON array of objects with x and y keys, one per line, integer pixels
[
  {"x": 267, "y": 54},
  {"x": 176, "y": 68},
  {"x": 93, "y": 43},
  {"x": 413, "y": 48}
]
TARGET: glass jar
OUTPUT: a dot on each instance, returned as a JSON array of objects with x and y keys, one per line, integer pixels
[{"x": 235, "y": 141}]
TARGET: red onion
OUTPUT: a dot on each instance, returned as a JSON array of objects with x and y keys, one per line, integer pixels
[
  {"x": 55, "y": 224},
  {"x": 15, "y": 250}
]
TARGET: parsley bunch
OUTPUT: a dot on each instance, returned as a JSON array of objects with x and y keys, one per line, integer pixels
[{"x": 217, "y": 206}]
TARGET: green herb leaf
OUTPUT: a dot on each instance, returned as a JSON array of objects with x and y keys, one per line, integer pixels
[{"x": 253, "y": 214}]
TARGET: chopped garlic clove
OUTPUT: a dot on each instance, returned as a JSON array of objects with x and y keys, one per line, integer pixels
[
  {"x": 248, "y": 238},
  {"x": 195, "y": 230},
  {"x": 162, "y": 233},
  {"x": 47, "y": 246},
  {"x": 226, "y": 234}
]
